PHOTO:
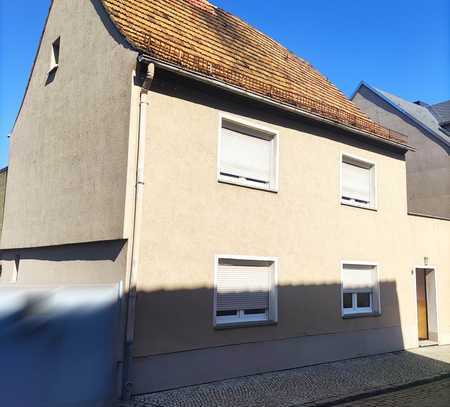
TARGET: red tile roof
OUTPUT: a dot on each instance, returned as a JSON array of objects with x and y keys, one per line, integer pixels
[{"x": 200, "y": 37}]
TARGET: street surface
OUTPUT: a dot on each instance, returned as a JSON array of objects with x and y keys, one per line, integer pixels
[{"x": 436, "y": 394}]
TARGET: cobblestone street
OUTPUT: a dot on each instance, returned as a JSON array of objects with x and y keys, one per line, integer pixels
[
  {"x": 325, "y": 383},
  {"x": 436, "y": 394}
]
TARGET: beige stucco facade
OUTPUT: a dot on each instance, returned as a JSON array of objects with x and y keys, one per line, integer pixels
[{"x": 194, "y": 218}]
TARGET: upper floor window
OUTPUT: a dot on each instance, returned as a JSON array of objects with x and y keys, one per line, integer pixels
[
  {"x": 358, "y": 182},
  {"x": 360, "y": 292},
  {"x": 54, "y": 58},
  {"x": 248, "y": 155},
  {"x": 245, "y": 290}
]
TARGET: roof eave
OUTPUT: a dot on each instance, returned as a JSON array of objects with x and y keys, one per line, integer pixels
[{"x": 266, "y": 100}]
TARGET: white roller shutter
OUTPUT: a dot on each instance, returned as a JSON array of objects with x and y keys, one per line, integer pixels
[
  {"x": 356, "y": 182},
  {"x": 359, "y": 278},
  {"x": 243, "y": 287},
  {"x": 245, "y": 156}
]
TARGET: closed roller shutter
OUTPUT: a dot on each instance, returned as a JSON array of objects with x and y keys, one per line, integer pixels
[
  {"x": 245, "y": 156},
  {"x": 356, "y": 182},
  {"x": 243, "y": 287}
]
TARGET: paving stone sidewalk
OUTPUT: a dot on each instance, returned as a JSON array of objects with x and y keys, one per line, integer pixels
[
  {"x": 313, "y": 385},
  {"x": 435, "y": 394}
]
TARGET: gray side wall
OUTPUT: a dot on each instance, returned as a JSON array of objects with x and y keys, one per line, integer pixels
[
  {"x": 427, "y": 168},
  {"x": 69, "y": 147},
  {"x": 3, "y": 176}
]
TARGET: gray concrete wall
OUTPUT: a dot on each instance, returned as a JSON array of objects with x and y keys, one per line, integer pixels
[
  {"x": 94, "y": 263},
  {"x": 427, "y": 168},
  {"x": 3, "y": 177},
  {"x": 69, "y": 147}
]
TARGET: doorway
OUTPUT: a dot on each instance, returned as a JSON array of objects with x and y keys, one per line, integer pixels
[{"x": 426, "y": 306}]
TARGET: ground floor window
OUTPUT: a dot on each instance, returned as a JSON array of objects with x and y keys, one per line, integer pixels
[
  {"x": 245, "y": 290},
  {"x": 360, "y": 289}
]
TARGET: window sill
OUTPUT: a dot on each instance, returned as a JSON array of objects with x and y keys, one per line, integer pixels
[
  {"x": 355, "y": 205},
  {"x": 361, "y": 315},
  {"x": 246, "y": 184},
  {"x": 247, "y": 324},
  {"x": 52, "y": 69}
]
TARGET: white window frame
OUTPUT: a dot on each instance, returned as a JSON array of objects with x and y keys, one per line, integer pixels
[
  {"x": 373, "y": 204},
  {"x": 54, "y": 59},
  {"x": 256, "y": 128},
  {"x": 355, "y": 309},
  {"x": 241, "y": 319},
  {"x": 375, "y": 297}
]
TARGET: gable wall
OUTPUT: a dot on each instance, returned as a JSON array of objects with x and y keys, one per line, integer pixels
[
  {"x": 427, "y": 168},
  {"x": 69, "y": 147}
]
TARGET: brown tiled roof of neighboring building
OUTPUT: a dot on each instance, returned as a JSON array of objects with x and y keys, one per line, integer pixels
[{"x": 202, "y": 38}]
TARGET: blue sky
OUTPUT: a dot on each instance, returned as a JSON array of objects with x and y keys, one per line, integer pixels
[{"x": 400, "y": 46}]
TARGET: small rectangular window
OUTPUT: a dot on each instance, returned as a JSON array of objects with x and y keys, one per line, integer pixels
[
  {"x": 247, "y": 156},
  {"x": 245, "y": 291},
  {"x": 357, "y": 182},
  {"x": 54, "y": 60},
  {"x": 360, "y": 290}
]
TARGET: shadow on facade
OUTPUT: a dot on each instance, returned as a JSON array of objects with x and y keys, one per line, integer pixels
[
  {"x": 310, "y": 329},
  {"x": 64, "y": 348},
  {"x": 93, "y": 251}
]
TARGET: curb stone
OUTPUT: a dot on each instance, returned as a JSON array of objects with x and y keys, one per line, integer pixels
[{"x": 334, "y": 401}]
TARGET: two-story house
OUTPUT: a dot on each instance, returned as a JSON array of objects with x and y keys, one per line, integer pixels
[
  {"x": 253, "y": 218},
  {"x": 428, "y": 131}
]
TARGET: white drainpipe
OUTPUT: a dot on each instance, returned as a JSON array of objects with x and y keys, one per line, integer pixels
[{"x": 137, "y": 225}]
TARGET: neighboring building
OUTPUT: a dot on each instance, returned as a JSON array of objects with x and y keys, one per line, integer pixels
[
  {"x": 3, "y": 176},
  {"x": 253, "y": 217},
  {"x": 428, "y": 130}
]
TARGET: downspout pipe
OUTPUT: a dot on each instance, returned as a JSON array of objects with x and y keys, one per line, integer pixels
[{"x": 148, "y": 73}]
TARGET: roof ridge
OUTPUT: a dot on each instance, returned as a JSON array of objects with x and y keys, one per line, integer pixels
[{"x": 411, "y": 110}]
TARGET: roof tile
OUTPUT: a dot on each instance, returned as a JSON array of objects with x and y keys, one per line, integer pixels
[{"x": 200, "y": 37}]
